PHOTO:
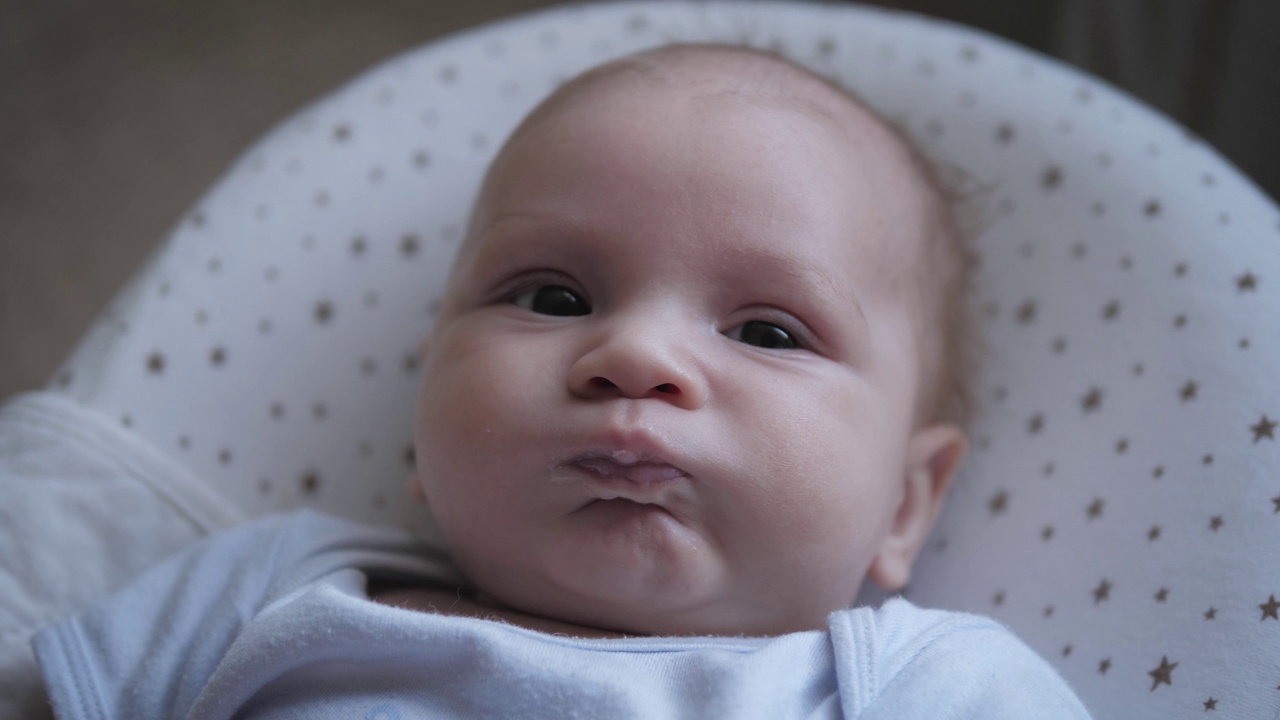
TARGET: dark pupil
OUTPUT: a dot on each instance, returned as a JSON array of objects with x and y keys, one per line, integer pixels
[
  {"x": 767, "y": 335},
  {"x": 556, "y": 300}
]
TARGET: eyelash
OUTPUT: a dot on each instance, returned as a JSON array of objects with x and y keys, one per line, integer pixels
[
  {"x": 533, "y": 296},
  {"x": 526, "y": 282},
  {"x": 539, "y": 281},
  {"x": 799, "y": 336}
]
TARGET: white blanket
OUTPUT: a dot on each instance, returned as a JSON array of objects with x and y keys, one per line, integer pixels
[{"x": 85, "y": 505}]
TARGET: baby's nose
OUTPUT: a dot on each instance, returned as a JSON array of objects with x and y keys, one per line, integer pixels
[{"x": 630, "y": 363}]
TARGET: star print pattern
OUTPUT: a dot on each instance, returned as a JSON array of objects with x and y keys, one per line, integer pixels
[
  {"x": 1162, "y": 674},
  {"x": 1035, "y": 424},
  {"x": 999, "y": 503},
  {"x": 1264, "y": 428},
  {"x": 1052, "y": 178},
  {"x": 409, "y": 246},
  {"x": 1091, "y": 401},
  {"x": 1123, "y": 397},
  {"x": 1027, "y": 311},
  {"x": 323, "y": 312},
  {"x": 1269, "y": 608},
  {"x": 1102, "y": 592}
]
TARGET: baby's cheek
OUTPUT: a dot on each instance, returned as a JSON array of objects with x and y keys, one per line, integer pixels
[
  {"x": 457, "y": 408},
  {"x": 486, "y": 398},
  {"x": 830, "y": 465}
]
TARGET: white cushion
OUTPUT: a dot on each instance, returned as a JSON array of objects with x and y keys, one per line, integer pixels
[{"x": 1121, "y": 510}]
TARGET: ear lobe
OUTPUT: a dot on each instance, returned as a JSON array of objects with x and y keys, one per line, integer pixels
[{"x": 934, "y": 454}]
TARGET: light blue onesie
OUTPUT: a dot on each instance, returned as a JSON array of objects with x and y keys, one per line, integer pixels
[{"x": 271, "y": 620}]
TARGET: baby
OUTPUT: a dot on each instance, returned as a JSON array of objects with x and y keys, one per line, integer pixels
[
  {"x": 696, "y": 377},
  {"x": 689, "y": 376}
]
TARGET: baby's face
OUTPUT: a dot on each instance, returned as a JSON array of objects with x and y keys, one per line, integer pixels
[{"x": 670, "y": 388}]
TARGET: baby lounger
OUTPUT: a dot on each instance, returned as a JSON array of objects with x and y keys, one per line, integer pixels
[{"x": 1121, "y": 508}]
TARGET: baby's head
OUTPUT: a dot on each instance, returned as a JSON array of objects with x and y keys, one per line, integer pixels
[{"x": 692, "y": 373}]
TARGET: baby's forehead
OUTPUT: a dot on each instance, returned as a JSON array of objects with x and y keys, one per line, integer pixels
[
  {"x": 722, "y": 79},
  {"x": 718, "y": 72}
]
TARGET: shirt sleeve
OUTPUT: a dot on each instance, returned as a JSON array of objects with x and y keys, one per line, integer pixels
[
  {"x": 936, "y": 664},
  {"x": 147, "y": 651}
]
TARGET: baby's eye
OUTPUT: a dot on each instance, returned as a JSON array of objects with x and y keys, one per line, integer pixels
[
  {"x": 764, "y": 334},
  {"x": 552, "y": 300}
]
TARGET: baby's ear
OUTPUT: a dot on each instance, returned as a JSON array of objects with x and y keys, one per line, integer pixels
[{"x": 933, "y": 456}]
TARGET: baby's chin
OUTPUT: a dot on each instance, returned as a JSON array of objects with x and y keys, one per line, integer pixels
[{"x": 636, "y": 569}]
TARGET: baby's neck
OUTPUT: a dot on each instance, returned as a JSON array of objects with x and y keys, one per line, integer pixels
[{"x": 453, "y": 602}]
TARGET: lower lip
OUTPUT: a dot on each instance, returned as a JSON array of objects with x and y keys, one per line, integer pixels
[{"x": 617, "y": 510}]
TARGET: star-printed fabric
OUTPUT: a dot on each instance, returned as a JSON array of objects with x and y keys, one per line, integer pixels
[{"x": 1121, "y": 508}]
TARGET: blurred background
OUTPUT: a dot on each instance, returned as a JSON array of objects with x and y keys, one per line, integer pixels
[{"x": 116, "y": 115}]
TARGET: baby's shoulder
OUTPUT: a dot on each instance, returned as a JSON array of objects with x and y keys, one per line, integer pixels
[
  {"x": 899, "y": 631},
  {"x": 919, "y": 660},
  {"x": 899, "y": 622}
]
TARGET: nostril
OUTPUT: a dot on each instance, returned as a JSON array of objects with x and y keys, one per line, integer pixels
[
  {"x": 667, "y": 388},
  {"x": 602, "y": 382}
]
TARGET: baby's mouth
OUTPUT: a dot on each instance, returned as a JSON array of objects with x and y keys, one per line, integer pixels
[
  {"x": 624, "y": 480},
  {"x": 639, "y": 473}
]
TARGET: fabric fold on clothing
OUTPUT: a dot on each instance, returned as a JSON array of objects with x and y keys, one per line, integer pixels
[{"x": 85, "y": 506}]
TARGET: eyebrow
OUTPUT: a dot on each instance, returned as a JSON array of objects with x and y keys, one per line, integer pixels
[
  {"x": 535, "y": 220},
  {"x": 531, "y": 217},
  {"x": 508, "y": 216},
  {"x": 805, "y": 272}
]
